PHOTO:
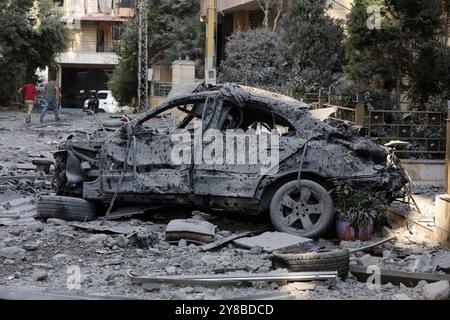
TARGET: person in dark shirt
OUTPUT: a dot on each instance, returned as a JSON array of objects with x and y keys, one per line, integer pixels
[{"x": 52, "y": 93}]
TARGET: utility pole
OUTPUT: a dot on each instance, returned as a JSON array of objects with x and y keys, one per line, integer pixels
[
  {"x": 142, "y": 87},
  {"x": 210, "y": 57}
]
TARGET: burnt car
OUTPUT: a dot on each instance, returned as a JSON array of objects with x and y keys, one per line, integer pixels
[{"x": 135, "y": 164}]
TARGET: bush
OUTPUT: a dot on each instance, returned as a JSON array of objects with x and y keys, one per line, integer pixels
[{"x": 253, "y": 58}]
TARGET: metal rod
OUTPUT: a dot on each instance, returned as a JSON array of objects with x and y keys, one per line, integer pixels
[{"x": 221, "y": 279}]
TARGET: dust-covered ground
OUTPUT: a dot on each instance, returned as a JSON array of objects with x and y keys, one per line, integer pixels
[{"x": 47, "y": 255}]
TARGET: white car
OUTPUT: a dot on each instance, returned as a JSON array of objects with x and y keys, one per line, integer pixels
[{"x": 106, "y": 102}]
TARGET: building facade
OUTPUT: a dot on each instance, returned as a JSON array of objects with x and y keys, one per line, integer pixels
[
  {"x": 241, "y": 15},
  {"x": 95, "y": 27}
]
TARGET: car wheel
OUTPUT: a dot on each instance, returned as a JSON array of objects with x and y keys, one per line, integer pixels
[
  {"x": 303, "y": 208},
  {"x": 66, "y": 208},
  {"x": 326, "y": 260}
]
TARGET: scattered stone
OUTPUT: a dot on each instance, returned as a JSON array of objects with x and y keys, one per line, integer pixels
[
  {"x": 146, "y": 239},
  {"x": 151, "y": 287},
  {"x": 389, "y": 286},
  {"x": 437, "y": 291},
  {"x": 60, "y": 256},
  {"x": 190, "y": 230},
  {"x": 368, "y": 260},
  {"x": 401, "y": 296},
  {"x": 187, "y": 264},
  {"x": 9, "y": 261},
  {"x": 271, "y": 241},
  {"x": 13, "y": 253},
  {"x": 171, "y": 270},
  {"x": 56, "y": 221},
  {"x": 32, "y": 246},
  {"x": 110, "y": 277},
  {"x": 97, "y": 238},
  {"x": 421, "y": 284},
  {"x": 122, "y": 241},
  {"x": 39, "y": 275},
  {"x": 182, "y": 243}
]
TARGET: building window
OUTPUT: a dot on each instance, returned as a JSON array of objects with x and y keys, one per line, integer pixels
[
  {"x": 161, "y": 89},
  {"x": 126, "y": 3},
  {"x": 255, "y": 18}
]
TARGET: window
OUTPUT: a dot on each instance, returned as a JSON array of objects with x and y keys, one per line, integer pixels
[
  {"x": 183, "y": 116},
  {"x": 126, "y": 3},
  {"x": 260, "y": 119},
  {"x": 161, "y": 89},
  {"x": 103, "y": 95}
]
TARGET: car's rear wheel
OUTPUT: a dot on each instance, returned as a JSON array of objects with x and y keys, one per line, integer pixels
[{"x": 302, "y": 207}]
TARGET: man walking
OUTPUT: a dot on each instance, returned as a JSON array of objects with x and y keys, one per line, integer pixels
[
  {"x": 29, "y": 95},
  {"x": 52, "y": 93}
]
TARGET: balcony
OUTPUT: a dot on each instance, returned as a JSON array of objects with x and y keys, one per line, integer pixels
[{"x": 90, "y": 52}]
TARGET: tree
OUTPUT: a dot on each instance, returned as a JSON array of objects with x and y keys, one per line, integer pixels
[
  {"x": 254, "y": 58},
  {"x": 123, "y": 81},
  {"x": 403, "y": 52},
  {"x": 314, "y": 51},
  {"x": 174, "y": 31},
  {"x": 32, "y": 33}
]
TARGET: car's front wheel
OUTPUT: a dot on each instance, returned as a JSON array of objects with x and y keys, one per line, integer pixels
[{"x": 303, "y": 208}]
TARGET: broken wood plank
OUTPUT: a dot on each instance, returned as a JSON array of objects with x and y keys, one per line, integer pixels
[
  {"x": 24, "y": 294},
  {"x": 409, "y": 279},
  {"x": 219, "y": 243},
  {"x": 233, "y": 278},
  {"x": 372, "y": 245}
]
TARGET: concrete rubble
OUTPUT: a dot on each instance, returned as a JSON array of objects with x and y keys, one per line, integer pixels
[{"x": 41, "y": 256}]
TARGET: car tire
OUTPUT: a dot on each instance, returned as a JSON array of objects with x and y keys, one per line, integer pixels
[
  {"x": 332, "y": 260},
  {"x": 303, "y": 208},
  {"x": 66, "y": 208}
]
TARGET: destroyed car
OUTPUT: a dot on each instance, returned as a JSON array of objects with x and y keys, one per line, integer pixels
[{"x": 140, "y": 162}]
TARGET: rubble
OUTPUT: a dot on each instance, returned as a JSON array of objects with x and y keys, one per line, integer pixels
[
  {"x": 191, "y": 230},
  {"x": 55, "y": 245},
  {"x": 271, "y": 241},
  {"x": 436, "y": 291},
  {"x": 14, "y": 253},
  {"x": 39, "y": 275}
]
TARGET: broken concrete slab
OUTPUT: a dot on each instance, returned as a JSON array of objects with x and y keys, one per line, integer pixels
[
  {"x": 39, "y": 275},
  {"x": 13, "y": 253},
  {"x": 191, "y": 230},
  {"x": 401, "y": 296},
  {"x": 9, "y": 195},
  {"x": 271, "y": 241},
  {"x": 437, "y": 291}
]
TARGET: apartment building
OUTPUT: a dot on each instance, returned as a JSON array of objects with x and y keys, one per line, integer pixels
[
  {"x": 241, "y": 15},
  {"x": 95, "y": 27}
]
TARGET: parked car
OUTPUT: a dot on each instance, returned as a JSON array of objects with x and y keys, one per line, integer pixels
[
  {"x": 107, "y": 102},
  {"x": 135, "y": 164}
]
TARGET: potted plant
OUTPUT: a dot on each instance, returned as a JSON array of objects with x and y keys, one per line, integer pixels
[{"x": 357, "y": 211}]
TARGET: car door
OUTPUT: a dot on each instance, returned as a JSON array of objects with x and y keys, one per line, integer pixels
[
  {"x": 248, "y": 155},
  {"x": 152, "y": 167}
]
